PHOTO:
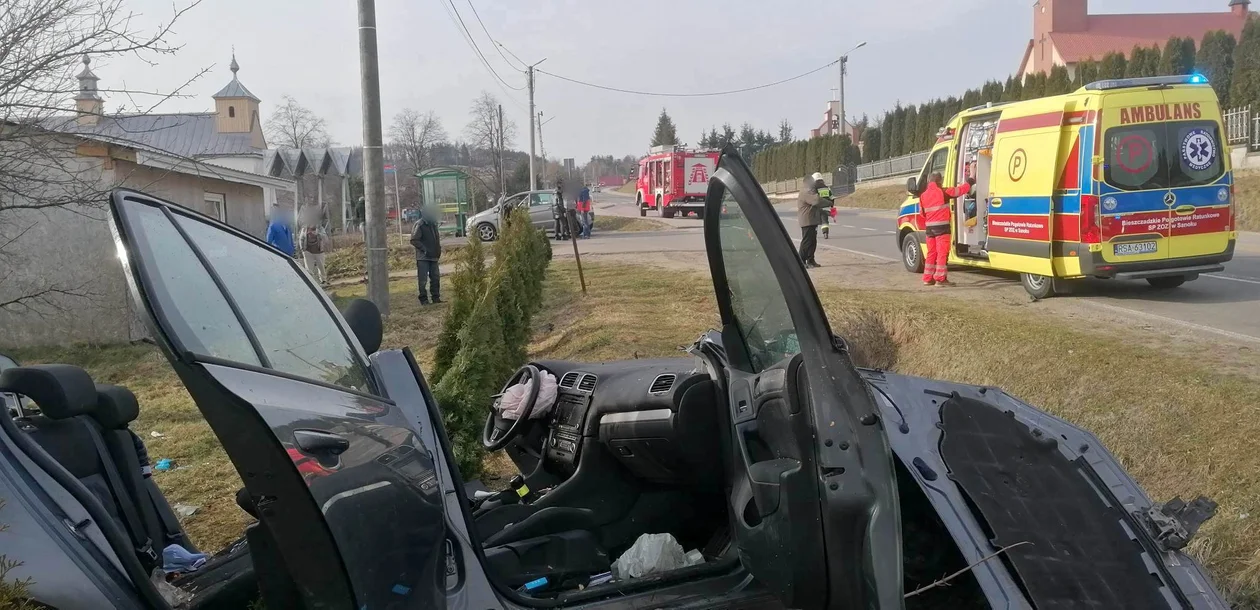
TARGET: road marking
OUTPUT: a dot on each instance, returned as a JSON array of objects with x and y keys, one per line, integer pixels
[
  {"x": 1232, "y": 278},
  {"x": 849, "y": 226},
  {"x": 1191, "y": 325},
  {"x": 867, "y": 229},
  {"x": 891, "y": 232}
]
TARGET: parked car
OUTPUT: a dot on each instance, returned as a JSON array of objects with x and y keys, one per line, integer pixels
[
  {"x": 799, "y": 480},
  {"x": 485, "y": 224}
]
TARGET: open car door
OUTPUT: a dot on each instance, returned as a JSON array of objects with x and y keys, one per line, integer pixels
[
  {"x": 812, "y": 492},
  {"x": 347, "y": 499}
]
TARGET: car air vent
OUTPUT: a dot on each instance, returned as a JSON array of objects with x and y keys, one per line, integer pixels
[
  {"x": 662, "y": 383},
  {"x": 588, "y": 383},
  {"x": 569, "y": 380}
]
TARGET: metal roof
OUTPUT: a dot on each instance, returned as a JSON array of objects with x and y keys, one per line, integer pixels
[
  {"x": 185, "y": 135},
  {"x": 235, "y": 89},
  {"x": 338, "y": 161}
]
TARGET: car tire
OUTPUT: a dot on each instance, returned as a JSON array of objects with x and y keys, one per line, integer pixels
[
  {"x": 700, "y": 215},
  {"x": 1037, "y": 286},
  {"x": 638, "y": 201},
  {"x": 660, "y": 208},
  {"x": 912, "y": 253},
  {"x": 487, "y": 232},
  {"x": 1167, "y": 282}
]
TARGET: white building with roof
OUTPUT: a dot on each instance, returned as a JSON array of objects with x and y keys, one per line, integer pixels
[{"x": 210, "y": 162}]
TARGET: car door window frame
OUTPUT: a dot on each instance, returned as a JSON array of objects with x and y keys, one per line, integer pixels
[{"x": 169, "y": 210}]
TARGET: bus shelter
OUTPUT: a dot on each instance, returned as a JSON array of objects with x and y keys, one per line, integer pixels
[{"x": 446, "y": 189}]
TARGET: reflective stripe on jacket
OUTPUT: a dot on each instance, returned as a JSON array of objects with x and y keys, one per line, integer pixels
[{"x": 935, "y": 202}]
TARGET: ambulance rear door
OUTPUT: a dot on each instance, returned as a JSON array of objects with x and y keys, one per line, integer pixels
[
  {"x": 1025, "y": 162},
  {"x": 1134, "y": 211},
  {"x": 1198, "y": 173}
]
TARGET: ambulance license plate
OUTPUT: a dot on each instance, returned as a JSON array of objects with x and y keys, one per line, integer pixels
[{"x": 1137, "y": 247}]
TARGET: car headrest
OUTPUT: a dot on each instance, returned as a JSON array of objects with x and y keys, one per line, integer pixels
[
  {"x": 61, "y": 391},
  {"x": 116, "y": 407}
]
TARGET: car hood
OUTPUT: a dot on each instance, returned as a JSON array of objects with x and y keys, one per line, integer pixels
[
  {"x": 1002, "y": 474},
  {"x": 484, "y": 215}
]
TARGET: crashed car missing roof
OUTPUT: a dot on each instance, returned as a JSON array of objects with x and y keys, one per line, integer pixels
[{"x": 784, "y": 475}]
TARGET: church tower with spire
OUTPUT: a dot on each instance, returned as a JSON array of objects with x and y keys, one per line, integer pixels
[
  {"x": 88, "y": 102},
  {"x": 236, "y": 109}
]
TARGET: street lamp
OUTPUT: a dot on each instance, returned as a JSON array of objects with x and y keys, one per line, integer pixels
[{"x": 844, "y": 62}]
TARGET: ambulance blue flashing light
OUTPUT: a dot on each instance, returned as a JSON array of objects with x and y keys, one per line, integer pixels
[{"x": 1150, "y": 81}]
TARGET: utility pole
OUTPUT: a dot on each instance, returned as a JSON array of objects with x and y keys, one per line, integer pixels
[
  {"x": 502, "y": 176},
  {"x": 373, "y": 163},
  {"x": 844, "y": 63},
  {"x": 542, "y": 149},
  {"x": 533, "y": 181}
]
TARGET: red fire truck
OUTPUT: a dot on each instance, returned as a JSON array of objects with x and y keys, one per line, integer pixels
[{"x": 673, "y": 180}]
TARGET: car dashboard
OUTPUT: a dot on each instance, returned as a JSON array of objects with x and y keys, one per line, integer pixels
[{"x": 656, "y": 417}]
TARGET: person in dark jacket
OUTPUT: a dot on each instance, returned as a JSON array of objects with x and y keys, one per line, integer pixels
[
  {"x": 428, "y": 245},
  {"x": 558, "y": 212},
  {"x": 810, "y": 208}
]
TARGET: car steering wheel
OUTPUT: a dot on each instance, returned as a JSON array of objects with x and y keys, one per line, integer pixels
[{"x": 500, "y": 431}]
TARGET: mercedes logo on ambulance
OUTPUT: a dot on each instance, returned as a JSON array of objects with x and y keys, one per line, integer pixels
[{"x": 1170, "y": 198}]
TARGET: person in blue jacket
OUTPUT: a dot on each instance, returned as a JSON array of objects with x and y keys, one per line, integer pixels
[{"x": 279, "y": 235}]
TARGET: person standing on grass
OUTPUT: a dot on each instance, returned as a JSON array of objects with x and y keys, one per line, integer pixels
[
  {"x": 562, "y": 221},
  {"x": 935, "y": 204},
  {"x": 428, "y": 245},
  {"x": 584, "y": 212},
  {"x": 315, "y": 243},
  {"x": 279, "y": 235},
  {"x": 810, "y": 208}
]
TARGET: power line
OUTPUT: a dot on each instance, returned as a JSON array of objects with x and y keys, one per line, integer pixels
[
  {"x": 705, "y": 94},
  {"x": 453, "y": 13},
  {"x": 498, "y": 46}
]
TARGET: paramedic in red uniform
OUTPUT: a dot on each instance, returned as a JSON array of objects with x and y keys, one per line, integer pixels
[{"x": 935, "y": 202}]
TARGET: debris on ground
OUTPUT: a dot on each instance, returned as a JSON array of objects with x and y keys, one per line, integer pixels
[
  {"x": 164, "y": 465},
  {"x": 185, "y": 510}
]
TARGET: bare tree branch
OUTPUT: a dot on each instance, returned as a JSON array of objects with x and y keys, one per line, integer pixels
[
  {"x": 483, "y": 133},
  {"x": 293, "y": 125},
  {"x": 43, "y": 43},
  {"x": 413, "y": 135}
]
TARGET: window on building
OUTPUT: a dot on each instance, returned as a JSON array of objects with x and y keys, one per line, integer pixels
[
  {"x": 216, "y": 207},
  {"x": 231, "y": 112}
]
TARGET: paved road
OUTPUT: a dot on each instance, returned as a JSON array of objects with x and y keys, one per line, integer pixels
[{"x": 1224, "y": 304}]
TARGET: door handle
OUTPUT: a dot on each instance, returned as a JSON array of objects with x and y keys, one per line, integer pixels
[
  {"x": 320, "y": 443},
  {"x": 1184, "y": 210},
  {"x": 995, "y": 202}
]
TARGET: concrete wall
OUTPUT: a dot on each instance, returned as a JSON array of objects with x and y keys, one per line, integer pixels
[{"x": 71, "y": 250}]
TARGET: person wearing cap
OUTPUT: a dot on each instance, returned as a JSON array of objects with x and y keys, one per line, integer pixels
[{"x": 809, "y": 214}]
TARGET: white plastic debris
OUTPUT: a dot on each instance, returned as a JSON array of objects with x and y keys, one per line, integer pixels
[
  {"x": 185, "y": 510},
  {"x": 156, "y": 434},
  {"x": 650, "y": 554},
  {"x": 694, "y": 557}
]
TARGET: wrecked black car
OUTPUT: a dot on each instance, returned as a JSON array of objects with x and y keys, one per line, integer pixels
[{"x": 788, "y": 476}]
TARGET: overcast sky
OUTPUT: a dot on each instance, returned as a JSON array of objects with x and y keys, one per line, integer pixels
[{"x": 917, "y": 49}]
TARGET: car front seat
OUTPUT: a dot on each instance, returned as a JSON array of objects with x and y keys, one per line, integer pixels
[{"x": 524, "y": 543}]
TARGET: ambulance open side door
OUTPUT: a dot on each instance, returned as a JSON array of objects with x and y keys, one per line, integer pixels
[{"x": 1021, "y": 202}]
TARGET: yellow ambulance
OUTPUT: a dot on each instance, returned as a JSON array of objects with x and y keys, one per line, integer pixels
[{"x": 1126, "y": 179}]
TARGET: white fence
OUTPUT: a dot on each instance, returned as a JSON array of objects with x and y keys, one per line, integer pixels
[
  {"x": 1238, "y": 124},
  {"x": 896, "y": 166}
]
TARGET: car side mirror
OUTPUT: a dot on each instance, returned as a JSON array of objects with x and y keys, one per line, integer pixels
[
  {"x": 365, "y": 320},
  {"x": 912, "y": 186}
]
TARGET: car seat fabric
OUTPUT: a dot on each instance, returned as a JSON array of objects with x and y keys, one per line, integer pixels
[{"x": 61, "y": 391}]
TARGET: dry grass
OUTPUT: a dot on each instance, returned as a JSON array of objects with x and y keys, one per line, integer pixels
[
  {"x": 604, "y": 222},
  {"x": 1247, "y": 200},
  {"x": 349, "y": 256},
  {"x": 1179, "y": 428},
  {"x": 880, "y": 198},
  {"x": 629, "y": 188}
]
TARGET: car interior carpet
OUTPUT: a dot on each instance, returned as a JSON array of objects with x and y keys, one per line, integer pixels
[{"x": 1079, "y": 554}]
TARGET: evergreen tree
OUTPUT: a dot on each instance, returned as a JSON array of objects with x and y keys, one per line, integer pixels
[
  {"x": 1086, "y": 73},
  {"x": 1215, "y": 60},
  {"x": 1014, "y": 89},
  {"x": 1244, "y": 86},
  {"x": 1137, "y": 59},
  {"x": 972, "y": 98},
  {"x": 666, "y": 134},
  {"x": 1151, "y": 62},
  {"x": 1177, "y": 58},
  {"x": 747, "y": 142},
  {"x": 908, "y": 134},
  {"x": 885, "y": 136},
  {"x": 785, "y": 131},
  {"x": 871, "y": 142},
  {"x": 1112, "y": 66},
  {"x": 926, "y": 128},
  {"x": 898, "y": 131},
  {"x": 1058, "y": 82},
  {"x": 1035, "y": 86},
  {"x": 728, "y": 134}
]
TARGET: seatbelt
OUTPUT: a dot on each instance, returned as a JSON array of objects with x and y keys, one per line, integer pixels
[
  {"x": 170, "y": 525},
  {"x": 141, "y": 540}
]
